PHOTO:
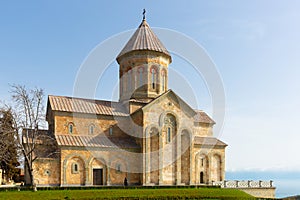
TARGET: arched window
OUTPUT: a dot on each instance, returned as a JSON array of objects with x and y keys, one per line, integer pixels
[
  {"x": 75, "y": 168},
  {"x": 140, "y": 71},
  {"x": 169, "y": 134},
  {"x": 171, "y": 127},
  {"x": 153, "y": 77},
  {"x": 70, "y": 128},
  {"x": 110, "y": 130},
  {"x": 91, "y": 129},
  {"x": 118, "y": 168}
]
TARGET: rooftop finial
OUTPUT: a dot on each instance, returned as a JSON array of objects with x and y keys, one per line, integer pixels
[{"x": 144, "y": 14}]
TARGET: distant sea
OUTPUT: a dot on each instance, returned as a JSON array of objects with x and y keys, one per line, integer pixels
[{"x": 286, "y": 183}]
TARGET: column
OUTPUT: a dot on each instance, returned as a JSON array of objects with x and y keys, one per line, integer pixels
[
  {"x": 108, "y": 175},
  {"x": 87, "y": 178},
  {"x": 178, "y": 157},
  {"x": 160, "y": 158},
  {"x": 193, "y": 163},
  {"x": 148, "y": 164}
]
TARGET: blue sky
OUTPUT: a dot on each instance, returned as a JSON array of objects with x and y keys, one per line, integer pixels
[{"x": 254, "y": 44}]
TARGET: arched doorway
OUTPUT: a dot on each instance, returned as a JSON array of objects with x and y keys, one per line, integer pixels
[
  {"x": 216, "y": 168},
  {"x": 202, "y": 169},
  {"x": 98, "y": 170},
  {"x": 201, "y": 177}
]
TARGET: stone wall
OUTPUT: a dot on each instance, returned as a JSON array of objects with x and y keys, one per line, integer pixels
[
  {"x": 116, "y": 165},
  {"x": 212, "y": 165},
  {"x": 46, "y": 171},
  {"x": 259, "y": 189},
  {"x": 203, "y": 130},
  {"x": 260, "y": 192},
  {"x": 82, "y": 122}
]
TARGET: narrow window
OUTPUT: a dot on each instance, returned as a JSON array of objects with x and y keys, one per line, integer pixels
[
  {"x": 118, "y": 168},
  {"x": 140, "y": 77},
  {"x": 92, "y": 127},
  {"x": 169, "y": 134},
  {"x": 153, "y": 78},
  {"x": 75, "y": 168},
  {"x": 70, "y": 128},
  {"x": 202, "y": 162},
  {"x": 110, "y": 130}
]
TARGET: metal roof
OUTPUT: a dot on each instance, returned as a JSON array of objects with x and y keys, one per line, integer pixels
[
  {"x": 95, "y": 141},
  {"x": 91, "y": 106},
  {"x": 209, "y": 141},
  {"x": 144, "y": 39}
]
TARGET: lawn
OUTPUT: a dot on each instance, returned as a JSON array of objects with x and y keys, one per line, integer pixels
[{"x": 166, "y": 193}]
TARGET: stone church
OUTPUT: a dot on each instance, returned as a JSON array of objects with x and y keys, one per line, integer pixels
[{"x": 151, "y": 136}]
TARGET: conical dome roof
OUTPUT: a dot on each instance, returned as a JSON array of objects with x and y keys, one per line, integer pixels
[{"x": 144, "y": 39}]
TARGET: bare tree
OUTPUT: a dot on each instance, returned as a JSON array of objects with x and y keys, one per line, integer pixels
[{"x": 28, "y": 115}]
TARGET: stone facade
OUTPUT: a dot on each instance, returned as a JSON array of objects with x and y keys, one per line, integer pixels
[{"x": 151, "y": 136}]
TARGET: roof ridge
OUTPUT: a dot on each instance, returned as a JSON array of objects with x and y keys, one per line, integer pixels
[{"x": 81, "y": 98}]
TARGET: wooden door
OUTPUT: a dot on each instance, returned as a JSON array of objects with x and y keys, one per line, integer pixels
[{"x": 97, "y": 176}]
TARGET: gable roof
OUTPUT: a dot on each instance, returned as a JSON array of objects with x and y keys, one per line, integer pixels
[
  {"x": 144, "y": 39},
  {"x": 185, "y": 106},
  {"x": 209, "y": 141},
  {"x": 202, "y": 117},
  {"x": 95, "y": 141},
  {"x": 91, "y": 106}
]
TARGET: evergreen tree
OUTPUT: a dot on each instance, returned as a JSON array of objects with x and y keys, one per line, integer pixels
[{"x": 8, "y": 145}]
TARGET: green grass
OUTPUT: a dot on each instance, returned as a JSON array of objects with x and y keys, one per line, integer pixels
[{"x": 95, "y": 194}]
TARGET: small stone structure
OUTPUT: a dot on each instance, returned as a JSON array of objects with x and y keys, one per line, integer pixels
[{"x": 259, "y": 189}]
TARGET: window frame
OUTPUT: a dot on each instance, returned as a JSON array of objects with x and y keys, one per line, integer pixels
[
  {"x": 169, "y": 134},
  {"x": 75, "y": 168},
  {"x": 91, "y": 129},
  {"x": 110, "y": 131},
  {"x": 71, "y": 128},
  {"x": 153, "y": 73},
  {"x": 118, "y": 168}
]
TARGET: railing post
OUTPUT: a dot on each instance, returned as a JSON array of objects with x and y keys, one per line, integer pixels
[
  {"x": 271, "y": 183},
  {"x": 224, "y": 183},
  {"x": 237, "y": 183},
  {"x": 249, "y": 185},
  {"x": 259, "y": 183}
]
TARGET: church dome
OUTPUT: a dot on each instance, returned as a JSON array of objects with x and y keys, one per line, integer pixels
[{"x": 144, "y": 39}]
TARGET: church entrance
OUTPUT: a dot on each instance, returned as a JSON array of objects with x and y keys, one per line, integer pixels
[
  {"x": 97, "y": 176},
  {"x": 201, "y": 177}
]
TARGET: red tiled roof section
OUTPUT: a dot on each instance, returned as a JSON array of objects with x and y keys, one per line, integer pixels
[
  {"x": 144, "y": 39},
  {"x": 202, "y": 117},
  {"x": 78, "y": 105},
  {"x": 95, "y": 141},
  {"x": 209, "y": 141}
]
